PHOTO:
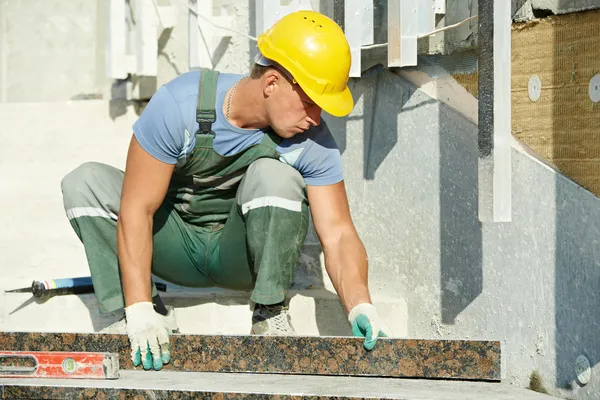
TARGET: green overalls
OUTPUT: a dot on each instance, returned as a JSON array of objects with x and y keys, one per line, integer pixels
[{"x": 235, "y": 222}]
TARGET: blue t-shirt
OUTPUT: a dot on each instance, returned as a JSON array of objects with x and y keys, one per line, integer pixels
[{"x": 166, "y": 129}]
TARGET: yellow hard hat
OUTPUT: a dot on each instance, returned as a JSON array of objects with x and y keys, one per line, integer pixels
[{"x": 314, "y": 50}]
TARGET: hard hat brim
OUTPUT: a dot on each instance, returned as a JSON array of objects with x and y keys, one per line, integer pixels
[{"x": 337, "y": 104}]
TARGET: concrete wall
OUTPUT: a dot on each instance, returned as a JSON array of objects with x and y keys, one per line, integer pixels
[
  {"x": 55, "y": 51},
  {"x": 411, "y": 172},
  {"x": 554, "y": 6},
  {"x": 564, "y": 6},
  {"x": 51, "y": 51}
]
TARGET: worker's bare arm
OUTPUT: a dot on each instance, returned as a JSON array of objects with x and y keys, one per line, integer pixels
[
  {"x": 144, "y": 187},
  {"x": 345, "y": 255}
]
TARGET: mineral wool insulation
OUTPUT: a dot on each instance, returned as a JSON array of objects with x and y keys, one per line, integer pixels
[
  {"x": 563, "y": 124},
  {"x": 555, "y": 107}
]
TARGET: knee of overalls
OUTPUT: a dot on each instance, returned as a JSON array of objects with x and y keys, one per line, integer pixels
[
  {"x": 270, "y": 177},
  {"x": 80, "y": 182}
]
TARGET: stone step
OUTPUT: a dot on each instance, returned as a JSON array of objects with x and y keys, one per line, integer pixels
[
  {"x": 205, "y": 385},
  {"x": 398, "y": 358}
]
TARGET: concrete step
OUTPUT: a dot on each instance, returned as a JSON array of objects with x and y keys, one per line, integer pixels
[
  {"x": 404, "y": 358},
  {"x": 313, "y": 312},
  {"x": 188, "y": 385}
]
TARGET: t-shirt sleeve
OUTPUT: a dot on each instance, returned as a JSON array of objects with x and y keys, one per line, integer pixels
[
  {"x": 160, "y": 130},
  {"x": 321, "y": 163}
]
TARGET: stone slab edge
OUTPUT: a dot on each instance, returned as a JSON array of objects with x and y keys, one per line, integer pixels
[{"x": 401, "y": 358}]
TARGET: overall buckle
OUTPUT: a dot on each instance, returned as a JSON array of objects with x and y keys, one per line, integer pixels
[{"x": 206, "y": 126}]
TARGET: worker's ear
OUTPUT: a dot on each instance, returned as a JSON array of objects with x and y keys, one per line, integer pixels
[{"x": 272, "y": 80}]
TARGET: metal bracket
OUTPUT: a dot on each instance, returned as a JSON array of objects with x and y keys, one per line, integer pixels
[
  {"x": 202, "y": 34},
  {"x": 358, "y": 21},
  {"x": 406, "y": 20},
  {"x": 495, "y": 165}
]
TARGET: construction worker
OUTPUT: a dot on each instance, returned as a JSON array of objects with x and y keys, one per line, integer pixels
[{"x": 220, "y": 172}]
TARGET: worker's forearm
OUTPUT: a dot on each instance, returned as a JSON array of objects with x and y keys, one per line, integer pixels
[
  {"x": 134, "y": 244},
  {"x": 347, "y": 266}
]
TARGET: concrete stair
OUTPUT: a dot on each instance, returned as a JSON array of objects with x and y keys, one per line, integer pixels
[
  {"x": 205, "y": 385},
  {"x": 230, "y": 366},
  {"x": 314, "y": 312}
]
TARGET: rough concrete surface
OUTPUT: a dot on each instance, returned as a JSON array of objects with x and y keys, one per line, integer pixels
[
  {"x": 53, "y": 51},
  {"x": 411, "y": 173},
  {"x": 525, "y": 10},
  {"x": 152, "y": 383},
  {"x": 522, "y": 10},
  {"x": 565, "y": 6},
  {"x": 56, "y": 51}
]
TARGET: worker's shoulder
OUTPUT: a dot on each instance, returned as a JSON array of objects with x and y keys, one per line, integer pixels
[
  {"x": 315, "y": 154},
  {"x": 316, "y": 140},
  {"x": 319, "y": 135},
  {"x": 183, "y": 85}
]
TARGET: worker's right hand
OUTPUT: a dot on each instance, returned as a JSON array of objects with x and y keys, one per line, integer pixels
[
  {"x": 148, "y": 334},
  {"x": 366, "y": 323}
]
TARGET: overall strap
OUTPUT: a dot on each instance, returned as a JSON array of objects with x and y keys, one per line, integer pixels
[
  {"x": 207, "y": 94},
  {"x": 271, "y": 140}
]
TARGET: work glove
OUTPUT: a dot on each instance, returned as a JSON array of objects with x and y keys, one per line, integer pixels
[
  {"x": 366, "y": 323},
  {"x": 148, "y": 334}
]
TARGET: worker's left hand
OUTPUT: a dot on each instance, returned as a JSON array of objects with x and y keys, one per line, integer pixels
[{"x": 366, "y": 323}]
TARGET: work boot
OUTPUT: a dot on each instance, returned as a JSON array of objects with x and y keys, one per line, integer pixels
[
  {"x": 271, "y": 320},
  {"x": 120, "y": 326}
]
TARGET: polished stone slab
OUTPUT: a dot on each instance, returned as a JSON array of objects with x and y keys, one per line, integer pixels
[
  {"x": 206, "y": 385},
  {"x": 410, "y": 358}
]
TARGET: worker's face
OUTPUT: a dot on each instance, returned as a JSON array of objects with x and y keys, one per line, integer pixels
[{"x": 290, "y": 111}]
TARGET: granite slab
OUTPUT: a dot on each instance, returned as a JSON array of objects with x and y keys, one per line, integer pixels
[
  {"x": 209, "y": 385},
  {"x": 396, "y": 358}
]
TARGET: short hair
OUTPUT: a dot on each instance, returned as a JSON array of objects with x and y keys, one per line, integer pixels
[{"x": 258, "y": 71}]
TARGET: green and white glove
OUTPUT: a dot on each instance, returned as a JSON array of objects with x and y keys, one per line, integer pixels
[
  {"x": 148, "y": 334},
  {"x": 366, "y": 323}
]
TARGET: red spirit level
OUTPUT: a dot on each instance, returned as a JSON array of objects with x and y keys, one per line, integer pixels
[{"x": 59, "y": 364}]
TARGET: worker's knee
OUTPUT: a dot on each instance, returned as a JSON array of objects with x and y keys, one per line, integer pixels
[
  {"x": 78, "y": 179},
  {"x": 83, "y": 181},
  {"x": 269, "y": 177}
]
